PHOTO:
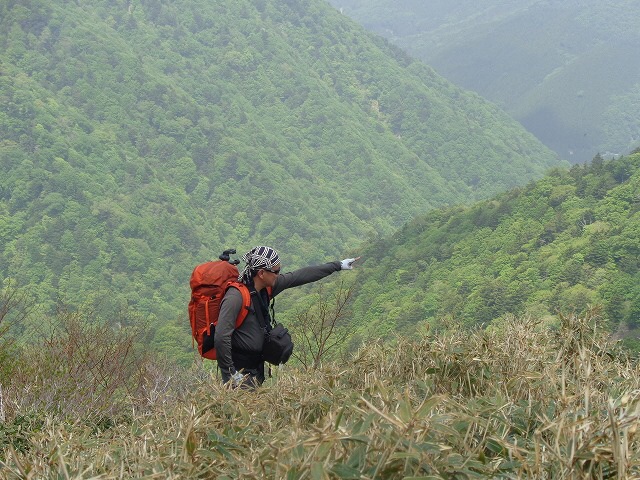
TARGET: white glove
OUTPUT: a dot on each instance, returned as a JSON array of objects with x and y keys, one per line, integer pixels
[
  {"x": 237, "y": 379},
  {"x": 347, "y": 263}
]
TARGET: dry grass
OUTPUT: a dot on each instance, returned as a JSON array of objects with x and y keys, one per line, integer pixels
[{"x": 518, "y": 402}]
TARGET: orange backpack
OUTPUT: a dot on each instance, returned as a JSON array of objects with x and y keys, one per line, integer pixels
[{"x": 209, "y": 282}]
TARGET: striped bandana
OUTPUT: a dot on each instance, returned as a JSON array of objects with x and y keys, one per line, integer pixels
[{"x": 257, "y": 258}]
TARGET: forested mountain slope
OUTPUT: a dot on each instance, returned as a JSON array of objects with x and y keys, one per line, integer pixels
[
  {"x": 567, "y": 70},
  {"x": 569, "y": 240},
  {"x": 140, "y": 138}
]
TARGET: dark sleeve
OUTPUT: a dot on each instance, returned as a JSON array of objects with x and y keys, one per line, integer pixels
[
  {"x": 303, "y": 276},
  {"x": 229, "y": 310}
]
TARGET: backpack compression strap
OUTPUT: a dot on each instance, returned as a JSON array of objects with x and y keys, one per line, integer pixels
[{"x": 246, "y": 301}]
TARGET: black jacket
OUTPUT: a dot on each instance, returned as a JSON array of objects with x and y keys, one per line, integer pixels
[{"x": 249, "y": 337}]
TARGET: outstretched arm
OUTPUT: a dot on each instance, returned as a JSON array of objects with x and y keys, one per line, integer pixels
[{"x": 306, "y": 275}]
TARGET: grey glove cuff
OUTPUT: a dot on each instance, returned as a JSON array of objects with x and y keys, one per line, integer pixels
[
  {"x": 237, "y": 379},
  {"x": 347, "y": 263}
]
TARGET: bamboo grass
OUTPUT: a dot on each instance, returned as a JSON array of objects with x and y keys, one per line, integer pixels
[{"x": 518, "y": 401}]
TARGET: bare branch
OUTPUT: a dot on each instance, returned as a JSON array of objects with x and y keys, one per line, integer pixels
[
  {"x": 14, "y": 303},
  {"x": 318, "y": 327}
]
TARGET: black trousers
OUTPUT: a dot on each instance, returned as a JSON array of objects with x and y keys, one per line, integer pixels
[{"x": 250, "y": 365}]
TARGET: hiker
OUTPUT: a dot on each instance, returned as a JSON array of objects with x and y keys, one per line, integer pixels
[{"x": 239, "y": 351}]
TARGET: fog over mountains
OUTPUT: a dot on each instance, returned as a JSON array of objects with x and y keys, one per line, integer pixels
[{"x": 569, "y": 71}]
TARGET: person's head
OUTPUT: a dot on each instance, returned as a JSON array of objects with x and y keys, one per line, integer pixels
[{"x": 262, "y": 267}]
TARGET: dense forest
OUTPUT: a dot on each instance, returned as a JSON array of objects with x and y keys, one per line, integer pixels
[
  {"x": 560, "y": 245},
  {"x": 565, "y": 69},
  {"x": 141, "y": 138}
]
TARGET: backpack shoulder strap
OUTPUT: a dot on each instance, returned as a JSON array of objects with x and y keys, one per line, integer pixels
[{"x": 246, "y": 300}]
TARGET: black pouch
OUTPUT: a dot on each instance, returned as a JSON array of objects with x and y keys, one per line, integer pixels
[
  {"x": 278, "y": 345},
  {"x": 207, "y": 340}
]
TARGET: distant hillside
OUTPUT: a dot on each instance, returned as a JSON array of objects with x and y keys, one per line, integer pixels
[
  {"x": 569, "y": 240},
  {"x": 567, "y": 70},
  {"x": 140, "y": 138}
]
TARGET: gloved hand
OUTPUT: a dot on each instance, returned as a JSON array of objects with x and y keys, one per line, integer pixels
[
  {"x": 237, "y": 379},
  {"x": 347, "y": 263}
]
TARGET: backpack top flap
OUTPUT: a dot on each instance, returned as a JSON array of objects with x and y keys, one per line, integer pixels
[{"x": 212, "y": 274}]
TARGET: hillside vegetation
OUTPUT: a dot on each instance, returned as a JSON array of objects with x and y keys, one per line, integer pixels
[
  {"x": 557, "y": 245},
  {"x": 138, "y": 139},
  {"x": 521, "y": 401},
  {"x": 565, "y": 69}
]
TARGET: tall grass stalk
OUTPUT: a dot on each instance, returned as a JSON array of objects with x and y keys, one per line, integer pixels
[{"x": 519, "y": 401}]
